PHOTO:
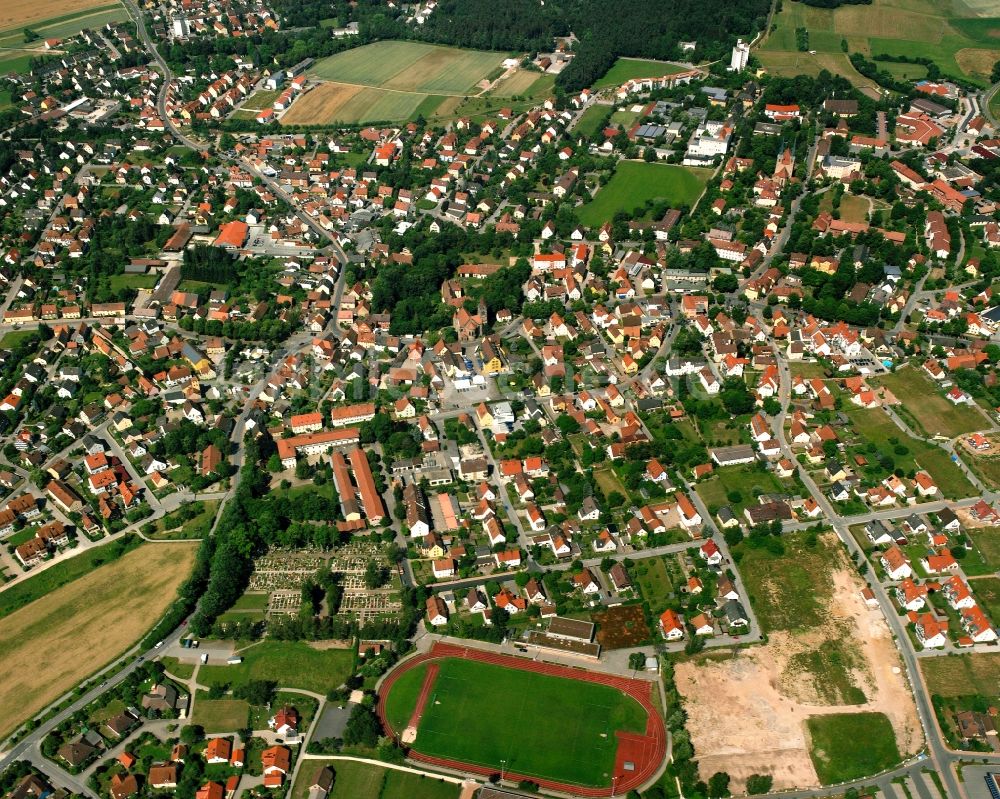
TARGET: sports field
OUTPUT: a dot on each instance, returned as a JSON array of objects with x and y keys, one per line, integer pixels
[
  {"x": 485, "y": 714},
  {"x": 635, "y": 182},
  {"x": 393, "y": 80},
  {"x": 88, "y": 622},
  {"x": 627, "y": 68},
  {"x": 962, "y": 43}
]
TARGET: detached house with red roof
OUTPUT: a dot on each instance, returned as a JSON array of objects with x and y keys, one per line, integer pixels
[{"x": 671, "y": 625}]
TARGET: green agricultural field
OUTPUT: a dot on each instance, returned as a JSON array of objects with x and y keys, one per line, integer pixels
[
  {"x": 395, "y": 81},
  {"x": 964, "y": 47},
  {"x": 627, "y": 68},
  {"x": 220, "y": 715},
  {"x": 846, "y": 746},
  {"x": 97, "y": 18},
  {"x": 904, "y": 71},
  {"x": 923, "y": 401},
  {"x": 565, "y": 728},
  {"x": 635, "y": 182},
  {"x": 291, "y": 664},
  {"x": 410, "y": 67},
  {"x": 352, "y": 780}
]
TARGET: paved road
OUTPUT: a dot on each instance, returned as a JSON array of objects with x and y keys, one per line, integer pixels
[{"x": 940, "y": 756}]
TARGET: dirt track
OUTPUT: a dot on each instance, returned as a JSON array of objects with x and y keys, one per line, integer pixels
[{"x": 747, "y": 715}]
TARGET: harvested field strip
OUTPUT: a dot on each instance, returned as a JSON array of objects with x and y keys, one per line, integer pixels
[{"x": 88, "y": 622}]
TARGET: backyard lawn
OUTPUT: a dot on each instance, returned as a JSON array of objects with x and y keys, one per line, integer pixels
[
  {"x": 635, "y": 182},
  {"x": 352, "y": 780},
  {"x": 653, "y": 580},
  {"x": 590, "y": 120}
]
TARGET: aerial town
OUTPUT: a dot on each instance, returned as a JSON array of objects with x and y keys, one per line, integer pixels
[{"x": 426, "y": 401}]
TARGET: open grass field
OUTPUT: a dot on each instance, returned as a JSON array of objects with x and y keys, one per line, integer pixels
[
  {"x": 173, "y": 527},
  {"x": 987, "y": 541},
  {"x": 182, "y": 671},
  {"x": 747, "y": 482},
  {"x": 47, "y": 16},
  {"x": 15, "y": 338},
  {"x": 987, "y": 591},
  {"x": 922, "y": 400},
  {"x": 353, "y": 780},
  {"x": 590, "y": 120},
  {"x": 627, "y": 68},
  {"x": 654, "y": 582},
  {"x": 635, "y": 182},
  {"x": 846, "y": 746},
  {"x": 119, "y": 282},
  {"x": 874, "y": 425},
  {"x": 565, "y": 728},
  {"x": 220, "y": 715},
  {"x": 784, "y": 590},
  {"x": 291, "y": 664},
  {"x": 609, "y": 483},
  {"x": 960, "y": 42},
  {"x": 853, "y": 208},
  {"x": 791, "y": 63},
  {"x": 961, "y": 675},
  {"x": 89, "y": 622}
]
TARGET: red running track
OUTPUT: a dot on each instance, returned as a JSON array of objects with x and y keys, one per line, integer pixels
[
  {"x": 425, "y": 695},
  {"x": 645, "y": 751}
]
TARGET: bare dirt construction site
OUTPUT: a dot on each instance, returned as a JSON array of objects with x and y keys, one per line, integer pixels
[{"x": 747, "y": 714}]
